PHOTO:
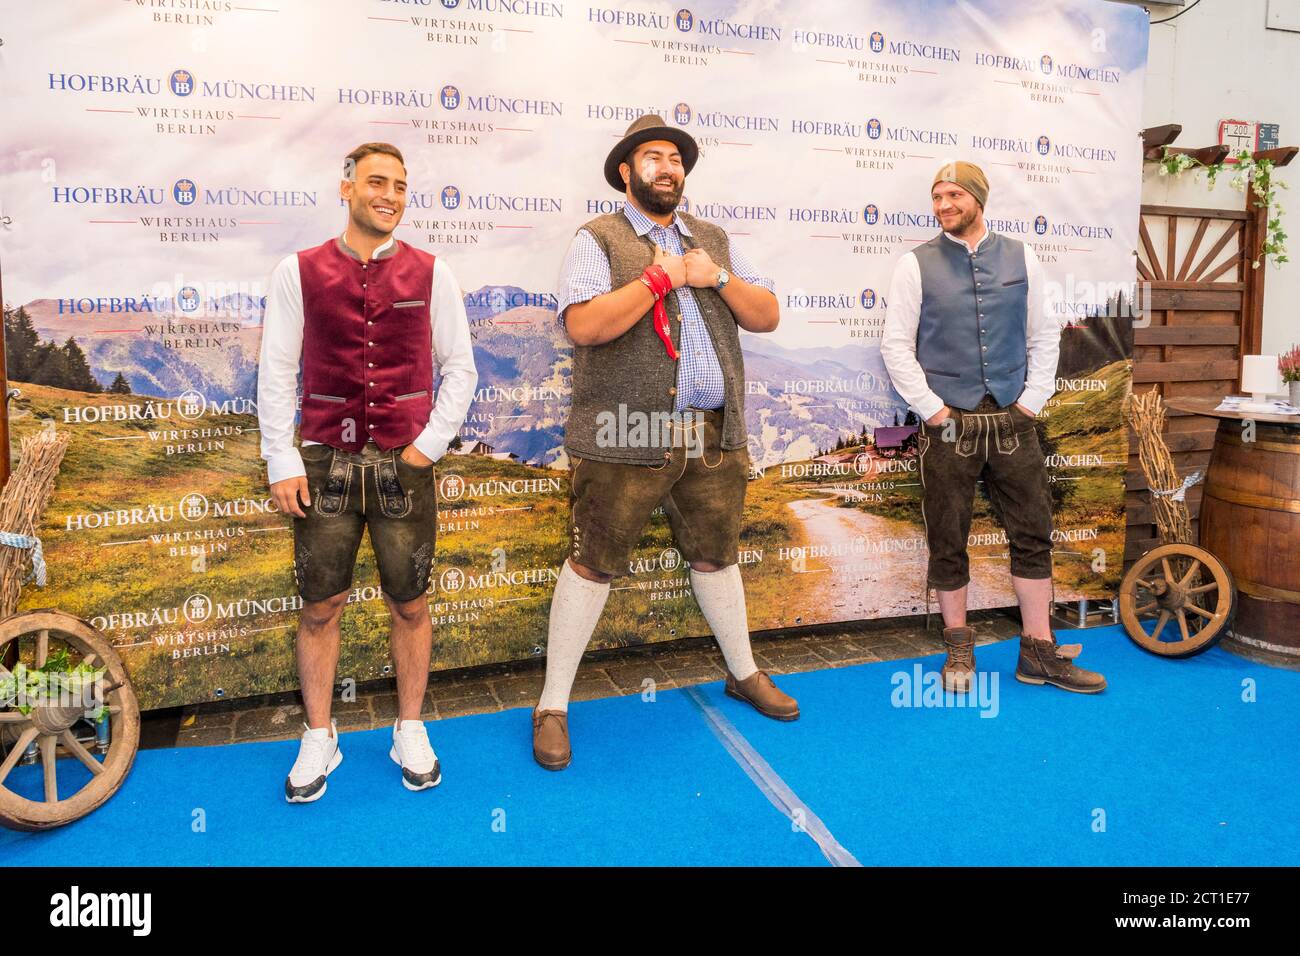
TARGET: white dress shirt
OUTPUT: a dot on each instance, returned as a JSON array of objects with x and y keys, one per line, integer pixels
[
  {"x": 281, "y": 356},
  {"x": 903, "y": 319}
]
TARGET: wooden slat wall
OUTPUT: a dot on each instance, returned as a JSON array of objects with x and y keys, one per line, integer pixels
[{"x": 1193, "y": 342}]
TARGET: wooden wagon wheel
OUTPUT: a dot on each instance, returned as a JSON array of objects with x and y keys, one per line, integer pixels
[
  {"x": 49, "y": 726},
  {"x": 1186, "y": 591}
]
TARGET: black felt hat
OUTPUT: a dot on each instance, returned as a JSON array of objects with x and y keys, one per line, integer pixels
[{"x": 643, "y": 130}]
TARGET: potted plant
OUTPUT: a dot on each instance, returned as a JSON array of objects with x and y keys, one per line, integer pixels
[{"x": 1289, "y": 365}]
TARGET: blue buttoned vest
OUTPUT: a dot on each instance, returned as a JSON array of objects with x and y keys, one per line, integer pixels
[{"x": 974, "y": 307}]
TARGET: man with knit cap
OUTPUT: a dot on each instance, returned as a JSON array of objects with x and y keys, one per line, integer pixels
[
  {"x": 970, "y": 348},
  {"x": 652, "y": 300}
]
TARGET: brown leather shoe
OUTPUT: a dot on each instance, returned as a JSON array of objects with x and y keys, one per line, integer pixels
[
  {"x": 959, "y": 668},
  {"x": 551, "y": 739},
  {"x": 758, "y": 689},
  {"x": 1046, "y": 662}
]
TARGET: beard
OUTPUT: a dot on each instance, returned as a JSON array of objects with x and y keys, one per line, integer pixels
[
  {"x": 652, "y": 200},
  {"x": 964, "y": 222}
]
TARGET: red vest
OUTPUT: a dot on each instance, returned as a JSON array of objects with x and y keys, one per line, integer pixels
[{"x": 367, "y": 351}]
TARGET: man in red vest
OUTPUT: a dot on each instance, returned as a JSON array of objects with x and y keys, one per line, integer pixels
[{"x": 367, "y": 315}]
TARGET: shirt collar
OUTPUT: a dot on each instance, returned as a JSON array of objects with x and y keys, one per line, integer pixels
[
  {"x": 642, "y": 223},
  {"x": 961, "y": 242},
  {"x": 383, "y": 250}
]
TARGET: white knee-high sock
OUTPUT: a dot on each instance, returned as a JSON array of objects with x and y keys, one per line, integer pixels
[
  {"x": 721, "y": 596},
  {"x": 575, "y": 609}
]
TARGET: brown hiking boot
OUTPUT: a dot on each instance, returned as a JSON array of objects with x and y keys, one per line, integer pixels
[
  {"x": 959, "y": 668},
  {"x": 551, "y": 739},
  {"x": 758, "y": 689},
  {"x": 1046, "y": 662}
]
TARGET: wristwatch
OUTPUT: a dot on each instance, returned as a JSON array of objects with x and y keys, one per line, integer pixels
[{"x": 723, "y": 278}]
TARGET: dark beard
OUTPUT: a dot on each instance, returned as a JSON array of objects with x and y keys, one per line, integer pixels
[
  {"x": 651, "y": 201},
  {"x": 964, "y": 223}
]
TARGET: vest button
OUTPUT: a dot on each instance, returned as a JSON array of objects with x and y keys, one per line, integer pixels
[
  {"x": 370, "y": 323},
  {"x": 372, "y": 384},
  {"x": 372, "y": 404},
  {"x": 370, "y": 343},
  {"x": 370, "y": 364}
]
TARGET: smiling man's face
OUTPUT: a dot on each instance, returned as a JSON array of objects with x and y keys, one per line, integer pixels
[
  {"x": 376, "y": 195},
  {"x": 957, "y": 210},
  {"x": 655, "y": 176}
]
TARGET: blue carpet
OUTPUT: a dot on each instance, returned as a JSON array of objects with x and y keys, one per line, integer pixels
[
  {"x": 650, "y": 786},
  {"x": 1183, "y": 770}
]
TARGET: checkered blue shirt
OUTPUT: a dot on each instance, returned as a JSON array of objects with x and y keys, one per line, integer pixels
[{"x": 585, "y": 275}]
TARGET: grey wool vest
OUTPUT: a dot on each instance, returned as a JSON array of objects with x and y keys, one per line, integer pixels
[
  {"x": 974, "y": 307},
  {"x": 634, "y": 371}
]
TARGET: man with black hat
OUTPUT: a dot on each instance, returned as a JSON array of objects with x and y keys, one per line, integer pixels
[
  {"x": 652, "y": 299},
  {"x": 970, "y": 347}
]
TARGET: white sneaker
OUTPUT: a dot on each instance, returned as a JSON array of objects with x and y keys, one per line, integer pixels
[
  {"x": 318, "y": 755},
  {"x": 411, "y": 750}
]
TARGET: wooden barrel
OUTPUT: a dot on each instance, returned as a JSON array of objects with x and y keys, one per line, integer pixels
[{"x": 1250, "y": 519}]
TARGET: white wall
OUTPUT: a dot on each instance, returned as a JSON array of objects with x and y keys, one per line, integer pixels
[{"x": 1217, "y": 61}]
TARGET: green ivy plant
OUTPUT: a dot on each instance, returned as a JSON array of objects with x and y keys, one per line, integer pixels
[
  {"x": 26, "y": 684},
  {"x": 1246, "y": 169}
]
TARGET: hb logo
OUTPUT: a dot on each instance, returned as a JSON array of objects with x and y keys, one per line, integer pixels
[
  {"x": 450, "y": 197},
  {"x": 685, "y": 20},
  {"x": 449, "y": 97},
  {"x": 682, "y": 113},
  {"x": 877, "y": 42},
  {"x": 1046, "y": 64},
  {"x": 1044, "y": 145},
  {"x": 184, "y": 192},
  {"x": 182, "y": 82},
  {"x": 871, "y": 214},
  {"x": 1040, "y": 225},
  {"x": 873, "y": 128}
]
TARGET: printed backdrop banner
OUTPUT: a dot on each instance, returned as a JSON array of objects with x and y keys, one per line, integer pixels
[{"x": 161, "y": 155}]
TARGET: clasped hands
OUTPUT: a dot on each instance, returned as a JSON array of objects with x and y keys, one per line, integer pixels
[{"x": 695, "y": 269}]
